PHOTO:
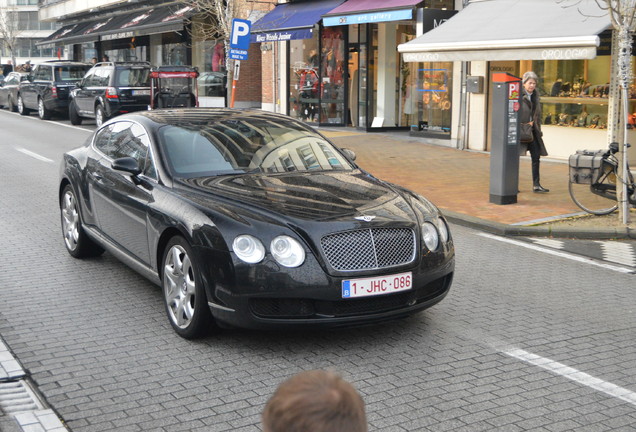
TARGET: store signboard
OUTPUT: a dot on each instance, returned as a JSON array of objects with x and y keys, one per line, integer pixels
[{"x": 369, "y": 17}]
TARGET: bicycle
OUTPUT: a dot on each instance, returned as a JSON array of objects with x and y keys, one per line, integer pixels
[{"x": 594, "y": 176}]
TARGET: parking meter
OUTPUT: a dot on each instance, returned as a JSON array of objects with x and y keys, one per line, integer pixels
[{"x": 504, "y": 148}]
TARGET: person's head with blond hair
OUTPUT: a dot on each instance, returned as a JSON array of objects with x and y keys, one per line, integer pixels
[{"x": 316, "y": 401}]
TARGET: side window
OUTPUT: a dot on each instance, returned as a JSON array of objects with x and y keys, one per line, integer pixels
[
  {"x": 88, "y": 79},
  {"x": 102, "y": 139},
  {"x": 147, "y": 164},
  {"x": 103, "y": 75},
  {"x": 43, "y": 74}
]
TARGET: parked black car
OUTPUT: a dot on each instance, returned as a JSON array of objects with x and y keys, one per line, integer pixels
[
  {"x": 110, "y": 89},
  {"x": 252, "y": 219},
  {"x": 47, "y": 87},
  {"x": 9, "y": 90}
]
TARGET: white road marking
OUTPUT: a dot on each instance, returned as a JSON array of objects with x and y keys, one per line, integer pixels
[
  {"x": 34, "y": 155},
  {"x": 621, "y": 253},
  {"x": 560, "y": 254},
  {"x": 574, "y": 375},
  {"x": 551, "y": 243}
]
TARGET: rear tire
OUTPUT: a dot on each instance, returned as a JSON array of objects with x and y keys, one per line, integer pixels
[
  {"x": 100, "y": 116},
  {"x": 21, "y": 108},
  {"x": 590, "y": 202},
  {"x": 11, "y": 105},
  {"x": 77, "y": 243},
  {"x": 73, "y": 115},
  {"x": 43, "y": 112},
  {"x": 183, "y": 293}
]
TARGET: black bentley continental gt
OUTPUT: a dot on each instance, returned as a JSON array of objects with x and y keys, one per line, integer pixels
[{"x": 251, "y": 219}]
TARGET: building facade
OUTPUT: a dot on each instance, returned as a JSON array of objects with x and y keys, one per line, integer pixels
[
  {"x": 21, "y": 20},
  {"x": 159, "y": 32}
]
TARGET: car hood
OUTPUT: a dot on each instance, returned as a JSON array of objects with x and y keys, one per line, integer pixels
[{"x": 317, "y": 196}]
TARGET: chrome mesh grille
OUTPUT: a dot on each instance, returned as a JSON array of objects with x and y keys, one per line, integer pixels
[{"x": 369, "y": 249}]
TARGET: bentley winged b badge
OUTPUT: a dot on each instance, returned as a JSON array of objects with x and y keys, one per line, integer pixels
[{"x": 365, "y": 218}]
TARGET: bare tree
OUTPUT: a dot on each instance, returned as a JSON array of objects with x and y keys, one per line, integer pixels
[
  {"x": 214, "y": 21},
  {"x": 621, "y": 13},
  {"x": 622, "y": 16},
  {"x": 9, "y": 30}
]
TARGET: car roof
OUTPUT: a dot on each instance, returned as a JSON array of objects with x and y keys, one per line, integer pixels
[
  {"x": 122, "y": 63},
  {"x": 201, "y": 116},
  {"x": 62, "y": 63}
]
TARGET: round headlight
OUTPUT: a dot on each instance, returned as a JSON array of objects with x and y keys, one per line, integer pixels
[
  {"x": 430, "y": 236},
  {"x": 248, "y": 249},
  {"x": 443, "y": 230},
  {"x": 287, "y": 251}
]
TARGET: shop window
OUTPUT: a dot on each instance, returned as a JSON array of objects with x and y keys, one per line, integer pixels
[
  {"x": 332, "y": 70},
  {"x": 428, "y": 97},
  {"x": 304, "y": 79},
  {"x": 575, "y": 93}
]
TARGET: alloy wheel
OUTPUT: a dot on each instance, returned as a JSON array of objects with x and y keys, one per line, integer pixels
[{"x": 179, "y": 286}]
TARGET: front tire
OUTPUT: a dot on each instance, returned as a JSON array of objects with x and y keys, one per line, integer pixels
[
  {"x": 77, "y": 243},
  {"x": 43, "y": 112},
  {"x": 73, "y": 115},
  {"x": 183, "y": 293},
  {"x": 21, "y": 108}
]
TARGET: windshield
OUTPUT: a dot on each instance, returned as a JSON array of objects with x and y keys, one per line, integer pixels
[{"x": 247, "y": 146}]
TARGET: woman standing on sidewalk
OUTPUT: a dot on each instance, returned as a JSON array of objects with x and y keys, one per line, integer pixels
[{"x": 530, "y": 118}]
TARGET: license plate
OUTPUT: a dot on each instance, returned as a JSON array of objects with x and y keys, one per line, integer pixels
[
  {"x": 141, "y": 92},
  {"x": 365, "y": 287}
]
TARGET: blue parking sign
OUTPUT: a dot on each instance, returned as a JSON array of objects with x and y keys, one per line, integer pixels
[{"x": 240, "y": 35}]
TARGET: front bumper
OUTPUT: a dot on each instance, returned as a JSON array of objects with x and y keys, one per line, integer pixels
[{"x": 324, "y": 307}]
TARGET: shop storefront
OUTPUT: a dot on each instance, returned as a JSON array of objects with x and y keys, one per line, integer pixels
[
  {"x": 343, "y": 68},
  {"x": 156, "y": 35},
  {"x": 569, "y": 48}
]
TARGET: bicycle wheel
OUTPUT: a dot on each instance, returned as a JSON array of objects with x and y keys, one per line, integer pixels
[{"x": 599, "y": 198}]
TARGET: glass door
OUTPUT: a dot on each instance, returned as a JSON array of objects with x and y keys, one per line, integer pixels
[{"x": 333, "y": 75}]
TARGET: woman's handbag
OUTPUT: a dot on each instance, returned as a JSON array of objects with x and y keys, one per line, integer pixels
[{"x": 525, "y": 133}]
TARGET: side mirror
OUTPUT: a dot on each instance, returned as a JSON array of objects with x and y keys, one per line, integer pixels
[
  {"x": 127, "y": 164},
  {"x": 349, "y": 153}
]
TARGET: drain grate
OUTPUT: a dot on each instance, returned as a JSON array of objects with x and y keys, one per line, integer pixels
[{"x": 18, "y": 396}]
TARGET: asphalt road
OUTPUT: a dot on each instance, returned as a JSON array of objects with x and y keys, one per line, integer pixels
[{"x": 526, "y": 339}]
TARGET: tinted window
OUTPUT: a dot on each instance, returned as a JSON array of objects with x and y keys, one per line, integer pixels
[
  {"x": 43, "y": 73},
  {"x": 133, "y": 77},
  {"x": 70, "y": 73},
  {"x": 249, "y": 145},
  {"x": 123, "y": 139}
]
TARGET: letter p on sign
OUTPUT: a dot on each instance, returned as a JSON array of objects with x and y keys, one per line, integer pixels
[{"x": 240, "y": 37}]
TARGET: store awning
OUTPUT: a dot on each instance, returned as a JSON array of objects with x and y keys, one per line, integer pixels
[
  {"x": 74, "y": 33},
  {"x": 513, "y": 30},
  {"x": 289, "y": 21},
  {"x": 370, "y": 11},
  {"x": 150, "y": 21}
]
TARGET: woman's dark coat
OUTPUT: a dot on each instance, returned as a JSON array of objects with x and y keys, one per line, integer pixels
[{"x": 526, "y": 115}]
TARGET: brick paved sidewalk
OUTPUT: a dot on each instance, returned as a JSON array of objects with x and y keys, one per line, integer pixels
[{"x": 457, "y": 180}]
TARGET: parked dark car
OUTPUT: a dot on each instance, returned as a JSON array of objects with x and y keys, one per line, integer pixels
[
  {"x": 9, "y": 90},
  {"x": 47, "y": 87},
  {"x": 252, "y": 219},
  {"x": 110, "y": 89}
]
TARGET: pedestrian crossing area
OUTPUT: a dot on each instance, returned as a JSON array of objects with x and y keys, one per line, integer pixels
[{"x": 613, "y": 251}]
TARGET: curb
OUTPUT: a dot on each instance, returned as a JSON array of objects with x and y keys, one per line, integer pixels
[{"x": 539, "y": 231}]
